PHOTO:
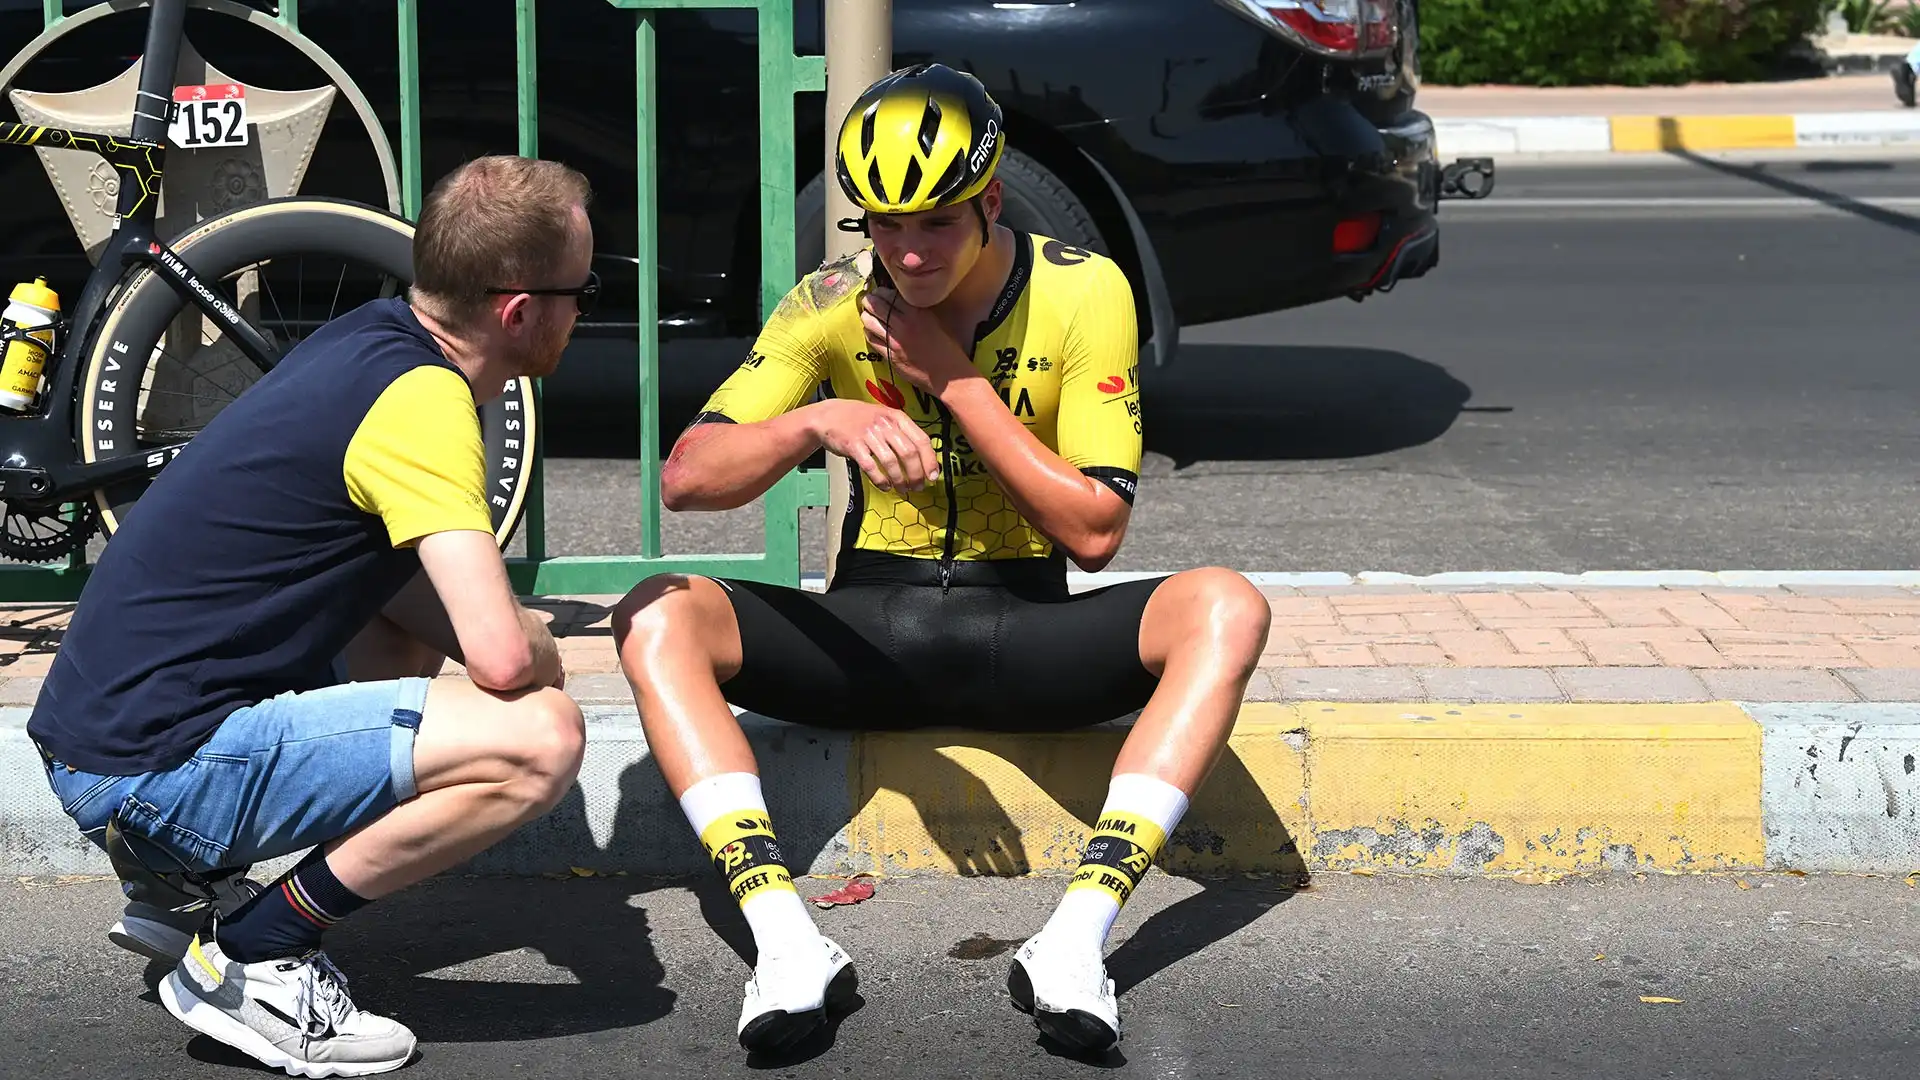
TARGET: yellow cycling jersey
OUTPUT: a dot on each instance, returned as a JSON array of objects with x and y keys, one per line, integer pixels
[{"x": 1060, "y": 345}]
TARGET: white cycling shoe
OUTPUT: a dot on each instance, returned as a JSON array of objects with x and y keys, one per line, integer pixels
[
  {"x": 1068, "y": 993},
  {"x": 789, "y": 996}
]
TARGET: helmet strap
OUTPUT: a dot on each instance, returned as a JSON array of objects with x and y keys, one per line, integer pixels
[{"x": 986, "y": 232}]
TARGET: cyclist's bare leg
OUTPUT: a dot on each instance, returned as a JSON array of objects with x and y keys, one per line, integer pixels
[
  {"x": 1202, "y": 634},
  {"x": 678, "y": 641}
]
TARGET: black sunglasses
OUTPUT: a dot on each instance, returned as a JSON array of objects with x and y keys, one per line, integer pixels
[{"x": 583, "y": 295}]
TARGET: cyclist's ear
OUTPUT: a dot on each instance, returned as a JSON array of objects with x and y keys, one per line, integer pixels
[
  {"x": 987, "y": 206},
  {"x": 992, "y": 199}
]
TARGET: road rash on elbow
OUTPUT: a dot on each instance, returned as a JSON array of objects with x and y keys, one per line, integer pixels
[{"x": 679, "y": 483}]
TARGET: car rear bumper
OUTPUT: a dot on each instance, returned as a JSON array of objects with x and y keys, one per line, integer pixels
[{"x": 1263, "y": 233}]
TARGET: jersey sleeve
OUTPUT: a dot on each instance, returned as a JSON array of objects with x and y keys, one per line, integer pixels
[
  {"x": 1099, "y": 418},
  {"x": 787, "y": 362},
  {"x": 417, "y": 459}
]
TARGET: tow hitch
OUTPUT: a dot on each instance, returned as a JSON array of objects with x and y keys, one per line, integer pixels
[{"x": 1467, "y": 178}]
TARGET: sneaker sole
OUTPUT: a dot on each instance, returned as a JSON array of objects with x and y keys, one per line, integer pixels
[
  {"x": 144, "y": 941},
  {"x": 189, "y": 1009},
  {"x": 1075, "y": 1028},
  {"x": 780, "y": 1030}
]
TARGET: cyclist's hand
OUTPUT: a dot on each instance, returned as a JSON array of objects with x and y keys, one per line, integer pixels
[
  {"x": 885, "y": 442},
  {"x": 913, "y": 341}
]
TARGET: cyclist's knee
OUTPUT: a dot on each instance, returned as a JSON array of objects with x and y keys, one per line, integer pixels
[
  {"x": 1226, "y": 613},
  {"x": 669, "y": 608}
]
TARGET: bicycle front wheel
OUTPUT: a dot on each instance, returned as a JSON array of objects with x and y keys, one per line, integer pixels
[{"x": 158, "y": 369}]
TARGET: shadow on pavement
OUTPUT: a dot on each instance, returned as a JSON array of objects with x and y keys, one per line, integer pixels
[
  {"x": 1216, "y": 402},
  {"x": 601, "y": 940},
  {"x": 1760, "y": 173},
  {"x": 1220, "y": 402},
  {"x": 950, "y": 799}
]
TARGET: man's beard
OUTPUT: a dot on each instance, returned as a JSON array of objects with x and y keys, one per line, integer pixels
[{"x": 543, "y": 352}]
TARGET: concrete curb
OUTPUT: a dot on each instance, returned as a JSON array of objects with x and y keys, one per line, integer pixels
[
  {"x": 1449, "y": 789},
  {"x": 1610, "y": 579},
  {"x": 1633, "y": 134}
]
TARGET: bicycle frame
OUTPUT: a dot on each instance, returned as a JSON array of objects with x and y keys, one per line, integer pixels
[{"x": 38, "y": 458}]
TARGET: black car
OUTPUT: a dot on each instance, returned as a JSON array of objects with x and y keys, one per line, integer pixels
[{"x": 1236, "y": 157}]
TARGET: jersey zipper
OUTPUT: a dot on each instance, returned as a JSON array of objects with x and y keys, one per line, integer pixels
[{"x": 953, "y": 511}]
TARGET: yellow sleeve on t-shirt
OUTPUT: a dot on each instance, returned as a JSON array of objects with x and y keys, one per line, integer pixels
[{"x": 417, "y": 459}]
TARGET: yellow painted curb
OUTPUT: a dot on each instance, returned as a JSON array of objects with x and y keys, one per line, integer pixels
[
  {"x": 1414, "y": 788},
  {"x": 1519, "y": 788},
  {"x": 978, "y": 803},
  {"x": 1647, "y": 134}
]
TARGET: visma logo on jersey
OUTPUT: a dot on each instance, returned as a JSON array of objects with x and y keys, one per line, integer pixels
[{"x": 27, "y": 328}]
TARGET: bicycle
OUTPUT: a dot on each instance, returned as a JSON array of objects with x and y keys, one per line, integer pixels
[{"x": 109, "y": 415}]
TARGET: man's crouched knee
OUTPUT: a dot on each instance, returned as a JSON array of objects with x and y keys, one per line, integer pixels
[{"x": 547, "y": 756}]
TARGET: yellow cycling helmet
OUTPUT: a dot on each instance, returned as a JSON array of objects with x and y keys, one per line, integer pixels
[{"x": 922, "y": 137}]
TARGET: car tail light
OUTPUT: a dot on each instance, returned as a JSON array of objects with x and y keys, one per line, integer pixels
[
  {"x": 1356, "y": 234},
  {"x": 1343, "y": 29}
]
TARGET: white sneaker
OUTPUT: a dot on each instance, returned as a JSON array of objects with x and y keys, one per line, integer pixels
[
  {"x": 291, "y": 1014},
  {"x": 163, "y": 933},
  {"x": 1068, "y": 993},
  {"x": 789, "y": 995}
]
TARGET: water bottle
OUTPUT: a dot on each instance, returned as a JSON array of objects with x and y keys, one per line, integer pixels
[{"x": 26, "y": 330}]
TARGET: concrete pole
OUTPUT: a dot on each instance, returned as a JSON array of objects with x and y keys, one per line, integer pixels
[{"x": 859, "y": 47}]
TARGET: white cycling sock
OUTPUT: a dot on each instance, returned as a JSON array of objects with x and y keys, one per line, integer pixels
[
  {"x": 729, "y": 815},
  {"x": 1133, "y": 825}
]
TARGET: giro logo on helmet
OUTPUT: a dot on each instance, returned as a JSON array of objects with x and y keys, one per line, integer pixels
[{"x": 978, "y": 159}]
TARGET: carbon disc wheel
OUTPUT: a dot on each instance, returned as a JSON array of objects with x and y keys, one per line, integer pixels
[{"x": 158, "y": 370}]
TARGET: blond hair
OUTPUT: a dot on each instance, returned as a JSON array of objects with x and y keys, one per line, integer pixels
[{"x": 495, "y": 222}]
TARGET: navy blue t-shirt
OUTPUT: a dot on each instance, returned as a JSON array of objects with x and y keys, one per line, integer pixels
[{"x": 267, "y": 545}]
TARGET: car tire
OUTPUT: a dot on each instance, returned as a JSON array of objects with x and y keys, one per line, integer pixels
[{"x": 1033, "y": 200}]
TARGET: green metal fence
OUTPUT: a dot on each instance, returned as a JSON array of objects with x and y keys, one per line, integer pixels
[{"x": 781, "y": 75}]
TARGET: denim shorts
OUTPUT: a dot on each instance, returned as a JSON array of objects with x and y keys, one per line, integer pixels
[{"x": 275, "y": 778}]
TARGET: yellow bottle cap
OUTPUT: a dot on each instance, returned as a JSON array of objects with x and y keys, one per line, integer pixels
[{"x": 37, "y": 294}]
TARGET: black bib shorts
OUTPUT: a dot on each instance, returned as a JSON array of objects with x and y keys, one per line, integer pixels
[{"x": 998, "y": 646}]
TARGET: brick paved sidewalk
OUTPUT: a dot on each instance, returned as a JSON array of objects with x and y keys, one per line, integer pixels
[{"x": 1403, "y": 643}]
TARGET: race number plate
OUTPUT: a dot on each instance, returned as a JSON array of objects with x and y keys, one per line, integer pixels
[{"x": 213, "y": 115}]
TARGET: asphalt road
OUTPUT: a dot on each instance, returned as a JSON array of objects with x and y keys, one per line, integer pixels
[
  {"x": 1787, "y": 979},
  {"x": 1695, "y": 364}
]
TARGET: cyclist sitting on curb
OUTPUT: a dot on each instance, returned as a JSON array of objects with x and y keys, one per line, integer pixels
[
  {"x": 988, "y": 406},
  {"x": 330, "y": 524}
]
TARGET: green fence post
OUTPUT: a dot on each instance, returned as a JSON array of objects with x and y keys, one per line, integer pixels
[
  {"x": 290, "y": 14},
  {"x": 647, "y": 312},
  {"x": 52, "y": 11},
  {"x": 409, "y": 110},
  {"x": 527, "y": 46}
]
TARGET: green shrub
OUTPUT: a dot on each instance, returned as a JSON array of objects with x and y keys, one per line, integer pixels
[{"x": 1629, "y": 42}]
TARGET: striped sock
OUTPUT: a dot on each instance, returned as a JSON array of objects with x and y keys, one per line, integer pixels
[
  {"x": 729, "y": 813},
  {"x": 289, "y": 917},
  {"x": 1139, "y": 813}
]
